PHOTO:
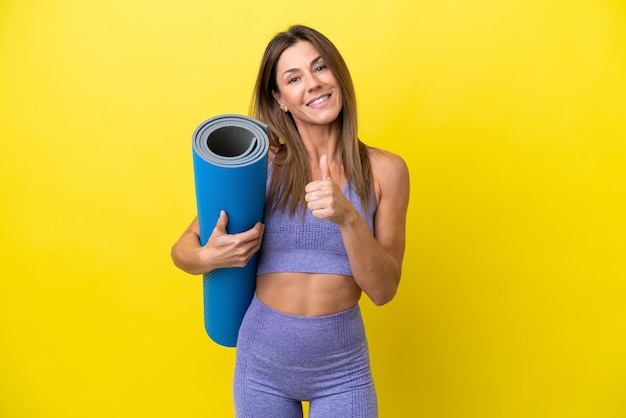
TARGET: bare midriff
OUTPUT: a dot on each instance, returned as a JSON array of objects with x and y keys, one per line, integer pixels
[{"x": 307, "y": 294}]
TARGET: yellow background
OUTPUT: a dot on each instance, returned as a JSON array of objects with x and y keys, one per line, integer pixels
[{"x": 510, "y": 115}]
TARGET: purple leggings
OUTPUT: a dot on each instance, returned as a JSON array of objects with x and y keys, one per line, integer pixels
[{"x": 284, "y": 359}]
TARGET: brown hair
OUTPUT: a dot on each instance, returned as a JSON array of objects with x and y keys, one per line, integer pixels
[{"x": 291, "y": 170}]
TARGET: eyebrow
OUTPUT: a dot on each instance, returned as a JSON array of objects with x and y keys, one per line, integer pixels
[{"x": 294, "y": 70}]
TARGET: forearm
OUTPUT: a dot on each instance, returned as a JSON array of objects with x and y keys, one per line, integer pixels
[
  {"x": 375, "y": 270},
  {"x": 188, "y": 256}
]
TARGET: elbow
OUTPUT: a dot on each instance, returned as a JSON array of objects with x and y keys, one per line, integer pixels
[
  {"x": 387, "y": 292},
  {"x": 176, "y": 256},
  {"x": 385, "y": 289},
  {"x": 380, "y": 301},
  {"x": 384, "y": 296},
  {"x": 180, "y": 262},
  {"x": 177, "y": 260}
]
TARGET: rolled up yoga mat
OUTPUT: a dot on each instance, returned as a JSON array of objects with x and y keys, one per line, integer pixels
[{"x": 230, "y": 168}]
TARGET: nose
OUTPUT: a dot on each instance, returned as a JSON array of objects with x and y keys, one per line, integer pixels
[{"x": 313, "y": 83}]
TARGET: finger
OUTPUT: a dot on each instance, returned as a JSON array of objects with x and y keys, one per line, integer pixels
[
  {"x": 261, "y": 228},
  {"x": 222, "y": 221},
  {"x": 324, "y": 168},
  {"x": 311, "y": 187},
  {"x": 319, "y": 213},
  {"x": 253, "y": 234}
]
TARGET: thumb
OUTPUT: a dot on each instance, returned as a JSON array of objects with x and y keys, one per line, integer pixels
[
  {"x": 324, "y": 168},
  {"x": 222, "y": 221}
]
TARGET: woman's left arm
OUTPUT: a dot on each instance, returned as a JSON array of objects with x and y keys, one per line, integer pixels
[{"x": 375, "y": 259}]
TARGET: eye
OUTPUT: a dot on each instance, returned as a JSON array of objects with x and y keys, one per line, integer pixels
[
  {"x": 321, "y": 68},
  {"x": 292, "y": 80}
]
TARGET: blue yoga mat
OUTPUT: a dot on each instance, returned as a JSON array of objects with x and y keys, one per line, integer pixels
[{"x": 230, "y": 169}]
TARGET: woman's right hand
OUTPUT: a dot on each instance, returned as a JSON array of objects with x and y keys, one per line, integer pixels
[{"x": 222, "y": 250}]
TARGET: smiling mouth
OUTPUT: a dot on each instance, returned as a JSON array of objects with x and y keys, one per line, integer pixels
[{"x": 319, "y": 100}]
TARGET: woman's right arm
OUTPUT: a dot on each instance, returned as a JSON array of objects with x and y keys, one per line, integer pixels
[{"x": 222, "y": 250}]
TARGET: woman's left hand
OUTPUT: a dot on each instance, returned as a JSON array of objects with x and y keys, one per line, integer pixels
[{"x": 325, "y": 199}]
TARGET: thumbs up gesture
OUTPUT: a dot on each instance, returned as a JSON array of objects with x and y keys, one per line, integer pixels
[{"x": 324, "y": 197}]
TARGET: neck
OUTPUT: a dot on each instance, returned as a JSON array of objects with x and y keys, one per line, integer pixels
[{"x": 320, "y": 140}]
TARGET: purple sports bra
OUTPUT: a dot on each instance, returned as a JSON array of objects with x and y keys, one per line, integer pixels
[{"x": 312, "y": 245}]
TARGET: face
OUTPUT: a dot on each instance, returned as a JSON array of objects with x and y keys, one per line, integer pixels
[{"x": 307, "y": 87}]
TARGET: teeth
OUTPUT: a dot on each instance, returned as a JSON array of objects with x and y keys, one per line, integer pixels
[{"x": 318, "y": 101}]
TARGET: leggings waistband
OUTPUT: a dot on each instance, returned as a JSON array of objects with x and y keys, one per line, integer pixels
[{"x": 301, "y": 336}]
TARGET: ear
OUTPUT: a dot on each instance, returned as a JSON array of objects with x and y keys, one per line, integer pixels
[{"x": 276, "y": 97}]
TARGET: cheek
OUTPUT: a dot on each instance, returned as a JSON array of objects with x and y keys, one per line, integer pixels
[
  {"x": 331, "y": 79},
  {"x": 291, "y": 96},
  {"x": 333, "y": 82},
  {"x": 338, "y": 96}
]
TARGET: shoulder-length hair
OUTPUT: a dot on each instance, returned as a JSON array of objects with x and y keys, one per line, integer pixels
[{"x": 291, "y": 171}]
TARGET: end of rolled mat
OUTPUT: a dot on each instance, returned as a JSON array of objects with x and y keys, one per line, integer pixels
[{"x": 231, "y": 140}]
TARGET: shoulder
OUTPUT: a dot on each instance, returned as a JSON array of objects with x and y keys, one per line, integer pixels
[
  {"x": 382, "y": 160},
  {"x": 388, "y": 168},
  {"x": 390, "y": 174}
]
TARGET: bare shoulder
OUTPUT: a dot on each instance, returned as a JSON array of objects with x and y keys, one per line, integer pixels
[
  {"x": 387, "y": 159},
  {"x": 388, "y": 169}
]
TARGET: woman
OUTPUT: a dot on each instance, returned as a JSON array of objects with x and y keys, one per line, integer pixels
[{"x": 334, "y": 228}]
